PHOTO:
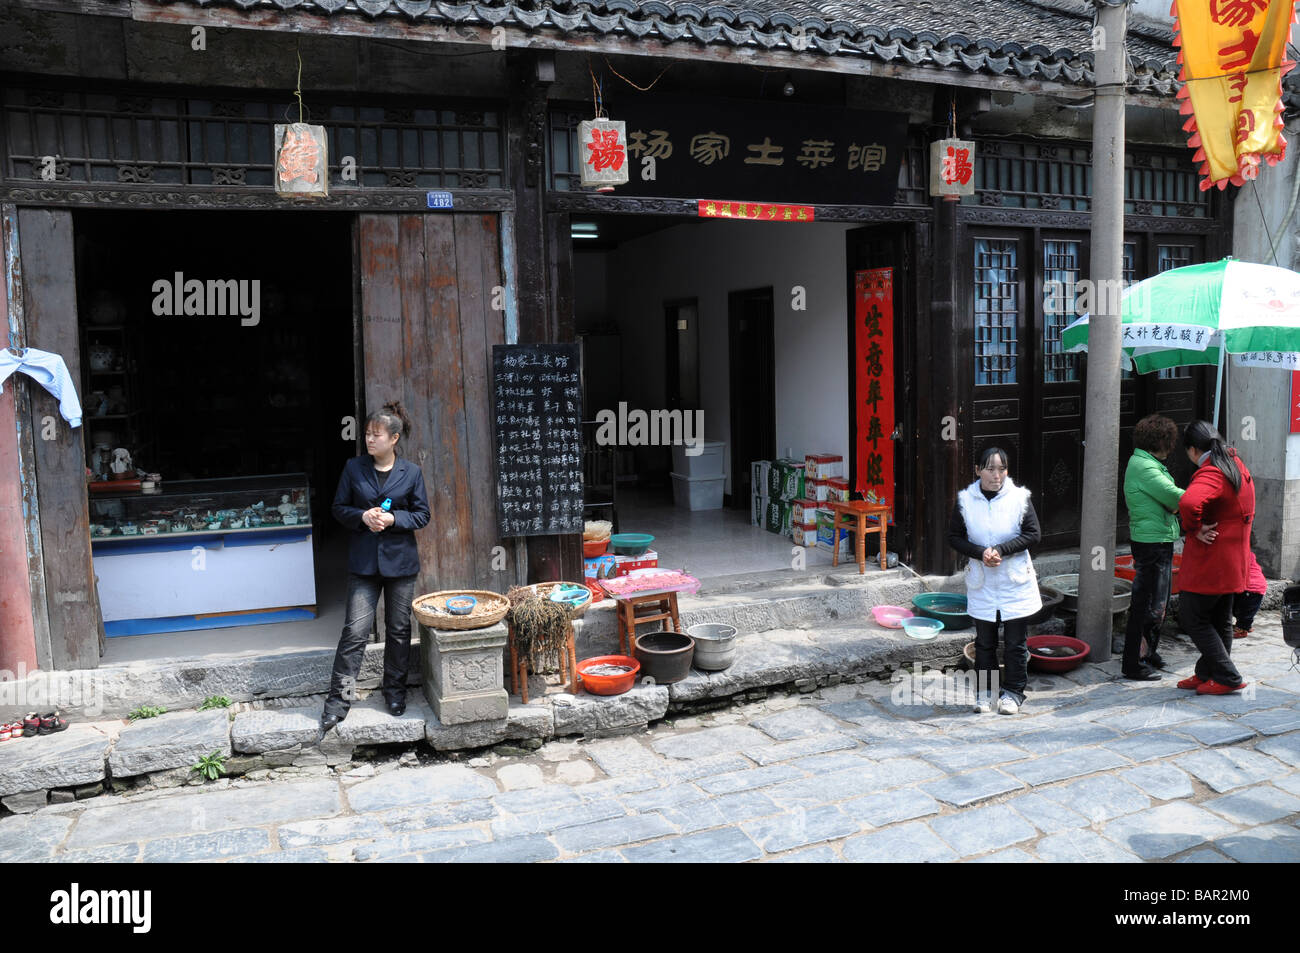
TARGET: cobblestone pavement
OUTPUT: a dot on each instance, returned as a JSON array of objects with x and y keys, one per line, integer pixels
[{"x": 1095, "y": 768}]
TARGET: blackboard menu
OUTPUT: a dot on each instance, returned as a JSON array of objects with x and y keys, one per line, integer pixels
[{"x": 537, "y": 423}]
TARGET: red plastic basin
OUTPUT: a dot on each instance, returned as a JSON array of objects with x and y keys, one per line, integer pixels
[
  {"x": 1044, "y": 663},
  {"x": 1124, "y": 569},
  {"x": 608, "y": 684}
]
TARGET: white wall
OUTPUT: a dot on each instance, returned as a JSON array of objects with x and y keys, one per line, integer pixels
[{"x": 707, "y": 261}]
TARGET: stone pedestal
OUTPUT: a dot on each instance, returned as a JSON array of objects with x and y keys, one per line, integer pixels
[{"x": 463, "y": 673}]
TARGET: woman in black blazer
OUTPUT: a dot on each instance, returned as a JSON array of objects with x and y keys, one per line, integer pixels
[{"x": 382, "y": 556}]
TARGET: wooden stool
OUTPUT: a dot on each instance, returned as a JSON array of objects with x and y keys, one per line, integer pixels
[
  {"x": 640, "y": 608},
  {"x": 854, "y": 515},
  {"x": 519, "y": 665}
]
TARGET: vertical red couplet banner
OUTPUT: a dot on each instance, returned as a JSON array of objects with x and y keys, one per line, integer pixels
[
  {"x": 1295, "y": 402},
  {"x": 873, "y": 383}
]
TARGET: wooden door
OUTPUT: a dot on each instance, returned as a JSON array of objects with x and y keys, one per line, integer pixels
[{"x": 428, "y": 327}]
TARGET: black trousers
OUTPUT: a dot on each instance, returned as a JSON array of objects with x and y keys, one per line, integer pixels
[
  {"x": 363, "y": 597},
  {"x": 1015, "y": 656},
  {"x": 1244, "y": 607},
  {"x": 1207, "y": 619},
  {"x": 1153, "y": 564}
]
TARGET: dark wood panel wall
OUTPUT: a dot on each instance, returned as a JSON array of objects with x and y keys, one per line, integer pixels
[
  {"x": 428, "y": 327},
  {"x": 50, "y": 314}
]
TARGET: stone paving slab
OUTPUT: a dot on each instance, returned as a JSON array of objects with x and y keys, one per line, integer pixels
[
  {"x": 388, "y": 848},
  {"x": 799, "y": 748},
  {"x": 974, "y": 756},
  {"x": 750, "y": 778},
  {"x": 866, "y": 778},
  {"x": 71, "y": 757},
  {"x": 546, "y": 822},
  {"x": 800, "y": 827},
  {"x": 1215, "y": 732},
  {"x": 613, "y": 833},
  {"x": 879, "y": 810},
  {"x": 28, "y": 837},
  {"x": 1163, "y": 782},
  {"x": 1151, "y": 716},
  {"x": 623, "y": 756},
  {"x": 515, "y": 850},
  {"x": 809, "y": 855},
  {"x": 1149, "y": 747},
  {"x": 913, "y": 841},
  {"x": 1054, "y": 740},
  {"x": 1230, "y": 768},
  {"x": 796, "y": 723},
  {"x": 404, "y": 820},
  {"x": 1270, "y": 844},
  {"x": 174, "y": 740},
  {"x": 963, "y": 790},
  {"x": 727, "y": 845},
  {"x": 1262, "y": 804},
  {"x": 185, "y": 813},
  {"x": 446, "y": 782},
  {"x": 206, "y": 846},
  {"x": 1167, "y": 830},
  {"x": 1049, "y": 816},
  {"x": 1082, "y": 847},
  {"x": 369, "y": 723},
  {"x": 1100, "y": 798},
  {"x": 983, "y": 829},
  {"x": 710, "y": 741},
  {"x": 728, "y": 809},
  {"x": 273, "y": 729},
  {"x": 590, "y": 714},
  {"x": 1012, "y": 855},
  {"x": 1062, "y": 767},
  {"x": 332, "y": 830},
  {"x": 1272, "y": 721},
  {"x": 1205, "y": 855},
  {"x": 1283, "y": 747}
]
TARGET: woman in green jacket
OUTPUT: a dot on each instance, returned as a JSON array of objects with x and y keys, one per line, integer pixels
[{"x": 1152, "y": 498}]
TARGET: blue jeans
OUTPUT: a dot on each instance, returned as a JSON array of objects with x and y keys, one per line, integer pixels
[
  {"x": 1015, "y": 657},
  {"x": 363, "y": 597},
  {"x": 1154, "y": 565}
]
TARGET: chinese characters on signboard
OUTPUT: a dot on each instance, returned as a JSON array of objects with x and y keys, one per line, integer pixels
[
  {"x": 301, "y": 160},
  {"x": 755, "y": 211},
  {"x": 537, "y": 425},
  {"x": 602, "y": 144},
  {"x": 952, "y": 168},
  {"x": 800, "y": 154},
  {"x": 874, "y": 383}
]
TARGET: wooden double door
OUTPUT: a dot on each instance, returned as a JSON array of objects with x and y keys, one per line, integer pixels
[{"x": 1027, "y": 394}]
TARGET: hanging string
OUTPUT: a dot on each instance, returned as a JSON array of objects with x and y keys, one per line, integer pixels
[
  {"x": 298, "y": 92},
  {"x": 952, "y": 117},
  {"x": 646, "y": 89},
  {"x": 597, "y": 96}
]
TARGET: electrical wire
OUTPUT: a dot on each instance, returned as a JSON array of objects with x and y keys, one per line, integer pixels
[
  {"x": 1254, "y": 188},
  {"x": 644, "y": 89}
]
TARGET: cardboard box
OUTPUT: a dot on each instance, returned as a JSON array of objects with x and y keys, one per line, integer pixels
[
  {"x": 757, "y": 509},
  {"x": 839, "y": 489},
  {"x": 823, "y": 466},
  {"x": 600, "y": 567},
  {"x": 819, "y": 490},
  {"x": 785, "y": 480},
  {"x": 825, "y": 523},
  {"x": 805, "y": 535},
  {"x": 777, "y": 519},
  {"x": 846, "y": 546},
  {"x": 758, "y": 473},
  {"x": 804, "y": 512},
  {"x": 647, "y": 560}
]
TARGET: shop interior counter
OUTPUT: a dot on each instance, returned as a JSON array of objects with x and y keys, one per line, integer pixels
[{"x": 204, "y": 554}]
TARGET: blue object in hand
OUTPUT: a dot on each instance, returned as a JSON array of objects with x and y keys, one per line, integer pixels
[{"x": 386, "y": 505}]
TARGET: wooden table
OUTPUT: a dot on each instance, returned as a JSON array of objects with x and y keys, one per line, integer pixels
[
  {"x": 855, "y": 515},
  {"x": 638, "y": 608}
]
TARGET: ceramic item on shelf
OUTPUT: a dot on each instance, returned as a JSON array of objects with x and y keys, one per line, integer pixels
[
  {"x": 291, "y": 518},
  {"x": 197, "y": 524},
  {"x": 130, "y": 529},
  {"x": 285, "y": 506},
  {"x": 102, "y": 357},
  {"x": 96, "y": 404},
  {"x": 215, "y": 524},
  {"x": 150, "y": 528},
  {"x": 181, "y": 526},
  {"x": 236, "y": 523},
  {"x": 148, "y": 486},
  {"x": 121, "y": 465},
  {"x": 105, "y": 529}
]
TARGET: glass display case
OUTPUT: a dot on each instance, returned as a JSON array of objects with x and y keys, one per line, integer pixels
[{"x": 247, "y": 505}]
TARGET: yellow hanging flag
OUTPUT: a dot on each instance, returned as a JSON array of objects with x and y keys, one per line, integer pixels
[{"x": 1233, "y": 57}]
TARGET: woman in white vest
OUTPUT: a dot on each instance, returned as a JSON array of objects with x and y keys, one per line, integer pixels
[{"x": 995, "y": 524}]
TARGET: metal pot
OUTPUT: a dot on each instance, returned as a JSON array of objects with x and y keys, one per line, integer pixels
[
  {"x": 715, "y": 646},
  {"x": 665, "y": 656}
]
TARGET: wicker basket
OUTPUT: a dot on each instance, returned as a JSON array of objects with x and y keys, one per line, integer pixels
[
  {"x": 432, "y": 611},
  {"x": 544, "y": 590}
]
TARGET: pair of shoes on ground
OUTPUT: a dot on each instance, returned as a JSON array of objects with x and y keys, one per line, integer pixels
[
  {"x": 1144, "y": 674},
  {"x": 1006, "y": 705},
  {"x": 33, "y": 724},
  {"x": 329, "y": 721},
  {"x": 1208, "y": 686}
]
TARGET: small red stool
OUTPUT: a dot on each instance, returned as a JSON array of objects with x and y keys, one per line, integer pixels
[{"x": 854, "y": 515}]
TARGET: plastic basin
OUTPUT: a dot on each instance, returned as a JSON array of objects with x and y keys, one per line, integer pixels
[
  {"x": 891, "y": 617},
  {"x": 608, "y": 684},
  {"x": 665, "y": 656},
  {"x": 922, "y": 629},
  {"x": 593, "y": 549},
  {"x": 715, "y": 646},
  {"x": 1046, "y": 663},
  {"x": 630, "y": 544},
  {"x": 1125, "y": 569},
  {"x": 1068, "y": 585},
  {"x": 948, "y": 607}
]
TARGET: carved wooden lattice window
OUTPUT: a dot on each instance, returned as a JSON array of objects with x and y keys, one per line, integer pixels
[
  {"x": 997, "y": 310},
  {"x": 1013, "y": 173},
  {"x": 76, "y": 135},
  {"x": 1061, "y": 272},
  {"x": 1173, "y": 256}
]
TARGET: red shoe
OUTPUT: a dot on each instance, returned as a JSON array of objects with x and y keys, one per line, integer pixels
[
  {"x": 1239, "y": 633},
  {"x": 1211, "y": 687},
  {"x": 1193, "y": 683}
]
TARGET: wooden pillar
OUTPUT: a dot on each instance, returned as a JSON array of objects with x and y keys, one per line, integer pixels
[
  {"x": 544, "y": 269},
  {"x": 943, "y": 342}
]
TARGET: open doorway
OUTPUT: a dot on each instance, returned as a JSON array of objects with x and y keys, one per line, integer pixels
[{"x": 217, "y": 375}]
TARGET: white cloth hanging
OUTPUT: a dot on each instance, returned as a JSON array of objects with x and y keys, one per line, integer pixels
[{"x": 48, "y": 370}]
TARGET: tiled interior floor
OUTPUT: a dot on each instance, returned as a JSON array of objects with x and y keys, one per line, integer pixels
[{"x": 710, "y": 543}]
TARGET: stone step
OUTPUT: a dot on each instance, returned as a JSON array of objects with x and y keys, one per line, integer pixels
[
  {"x": 73, "y": 757},
  {"x": 173, "y": 740}
]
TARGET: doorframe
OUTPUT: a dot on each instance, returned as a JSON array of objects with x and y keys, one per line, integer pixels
[{"x": 740, "y": 468}]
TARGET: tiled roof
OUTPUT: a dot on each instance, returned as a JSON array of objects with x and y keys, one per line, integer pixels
[{"x": 1031, "y": 39}]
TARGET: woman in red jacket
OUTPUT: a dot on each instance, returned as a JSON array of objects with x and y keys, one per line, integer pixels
[{"x": 1221, "y": 495}]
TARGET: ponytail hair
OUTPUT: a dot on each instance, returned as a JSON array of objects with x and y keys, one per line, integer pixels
[
  {"x": 392, "y": 417},
  {"x": 1201, "y": 435}
]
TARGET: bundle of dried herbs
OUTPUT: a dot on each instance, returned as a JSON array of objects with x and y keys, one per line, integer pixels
[{"x": 541, "y": 628}]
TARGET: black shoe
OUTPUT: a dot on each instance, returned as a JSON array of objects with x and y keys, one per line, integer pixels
[
  {"x": 1143, "y": 675},
  {"x": 329, "y": 721},
  {"x": 397, "y": 709},
  {"x": 1154, "y": 660}
]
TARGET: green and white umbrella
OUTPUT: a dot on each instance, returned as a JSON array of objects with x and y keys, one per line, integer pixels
[{"x": 1192, "y": 315}]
